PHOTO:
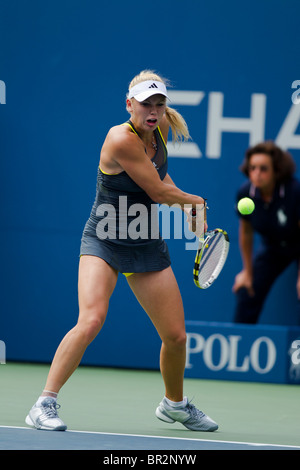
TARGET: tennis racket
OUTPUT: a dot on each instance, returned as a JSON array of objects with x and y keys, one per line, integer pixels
[{"x": 211, "y": 255}]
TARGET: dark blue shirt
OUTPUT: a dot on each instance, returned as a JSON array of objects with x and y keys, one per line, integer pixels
[{"x": 276, "y": 221}]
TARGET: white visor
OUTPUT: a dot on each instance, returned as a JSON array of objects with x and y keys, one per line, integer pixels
[{"x": 143, "y": 90}]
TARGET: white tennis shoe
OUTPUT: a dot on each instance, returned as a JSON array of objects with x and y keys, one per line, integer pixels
[
  {"x": 45, "y": 416},
  {"x": 188, "y": 415}
]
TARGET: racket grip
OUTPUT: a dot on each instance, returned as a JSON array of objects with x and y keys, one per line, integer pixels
[
  {"x": 194, "y": 219},
  {"x": 193, "y": 213}
]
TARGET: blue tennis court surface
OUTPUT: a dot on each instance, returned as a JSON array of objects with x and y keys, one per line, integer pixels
[{"x": 18, "y": 438}]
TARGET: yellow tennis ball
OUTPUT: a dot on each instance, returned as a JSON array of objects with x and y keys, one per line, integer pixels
[{"x": 246, "y": 206}]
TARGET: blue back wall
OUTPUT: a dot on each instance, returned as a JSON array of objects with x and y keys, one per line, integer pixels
[{"x": 65, "y": 67}]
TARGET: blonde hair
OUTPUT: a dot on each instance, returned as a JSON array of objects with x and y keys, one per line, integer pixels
[{"x": 177, "y": 123}]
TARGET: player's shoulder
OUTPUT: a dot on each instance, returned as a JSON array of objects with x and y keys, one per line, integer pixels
[
  {"x": 119, "y": 132},
  {"x": 120, "y": 136}
]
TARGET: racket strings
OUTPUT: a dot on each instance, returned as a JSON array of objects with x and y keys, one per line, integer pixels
[{"x": 213, "y": 257}]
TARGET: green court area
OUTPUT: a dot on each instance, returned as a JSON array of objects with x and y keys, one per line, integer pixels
[{"x": 124, "y": 402}]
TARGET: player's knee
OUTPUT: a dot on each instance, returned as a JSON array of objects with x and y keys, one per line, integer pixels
[
  {"x": 181, "y": 340},
  {"x": 177, "y": 340},
  {"x": 90, "y": 327}
]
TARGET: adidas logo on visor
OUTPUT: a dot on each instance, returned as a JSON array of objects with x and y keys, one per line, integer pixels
[{"x": 143, "y": 90}]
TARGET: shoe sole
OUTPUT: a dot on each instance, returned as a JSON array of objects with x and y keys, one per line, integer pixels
[
  {"x": 204, "y": 429},
  {"x": 30, "y": 423},
  {"x": 167, "y": 419},
  {"x": 163, "y": 417}
]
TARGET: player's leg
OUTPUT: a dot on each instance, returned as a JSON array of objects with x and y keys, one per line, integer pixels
[
  {"x": 95, "y": 285},
  {"x": 96, "y": 282},
  {"x": 159, "y": 295}
]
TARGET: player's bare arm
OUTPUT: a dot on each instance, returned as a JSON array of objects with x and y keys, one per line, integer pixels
[{"x": 126, "y": 151}]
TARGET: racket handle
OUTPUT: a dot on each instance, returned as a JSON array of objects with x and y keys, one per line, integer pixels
[
  {"x": 205, "y": 213},
  {"x": 194, "y": 217}
]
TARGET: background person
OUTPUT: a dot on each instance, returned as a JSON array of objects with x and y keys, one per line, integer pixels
[
  {"x": 133, "y": 164},
  {"x": 276, "y": 218}
]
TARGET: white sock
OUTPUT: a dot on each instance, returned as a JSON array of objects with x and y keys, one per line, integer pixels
[
  {"x": 42, "y": 398},
  {"x": 176, "y": 404}
]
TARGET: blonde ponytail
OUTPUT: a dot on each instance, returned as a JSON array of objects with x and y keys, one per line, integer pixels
[{"x": 177, "y": 123}]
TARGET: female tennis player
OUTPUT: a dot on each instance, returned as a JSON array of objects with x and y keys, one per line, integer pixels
[{"x": 132, "y": 169}]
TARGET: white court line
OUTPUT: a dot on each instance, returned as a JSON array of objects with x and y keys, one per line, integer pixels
[{"x": 257, "y": 444}]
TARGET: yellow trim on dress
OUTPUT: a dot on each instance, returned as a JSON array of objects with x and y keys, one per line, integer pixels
[
  {"x": 131, "y": 127},
  {"x": 158, "y": 128},
  {"x": 109, "y": 174}
]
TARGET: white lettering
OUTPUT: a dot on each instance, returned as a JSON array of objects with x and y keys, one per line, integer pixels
[
  {"x": 217, "y": 124},
  {"x": 140, "y": 221},
  {"x": 295, "y": 96},
  {"x": 123, "y": 217},
  {"x": 208, "y": 352},
  {"x": 228, "y": 357},
  {"x": 232, "y": 364},
  {"x": 165, "y": 215},
  {"x": 114, "y": 460},
  {"x": 2, "y": 352},
  {"x": 165, "y": 459},
  {"x": 286, "y": 138},
  {"x": 186, "y": 98},
  {"x": 296, "y": 354},
  {"x": 132, "y": 222},
  {"x": 184, "y": 149},
  {"x": 2, "y": 92},
  {"x": 271, "y": 354},
  {"x": 106, "y": 228}
]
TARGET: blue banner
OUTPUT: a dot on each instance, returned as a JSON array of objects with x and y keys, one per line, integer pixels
[{"x": 243, "y": 352}]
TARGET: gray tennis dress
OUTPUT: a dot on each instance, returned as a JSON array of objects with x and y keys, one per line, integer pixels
[{"x": 123, "y": 225}]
